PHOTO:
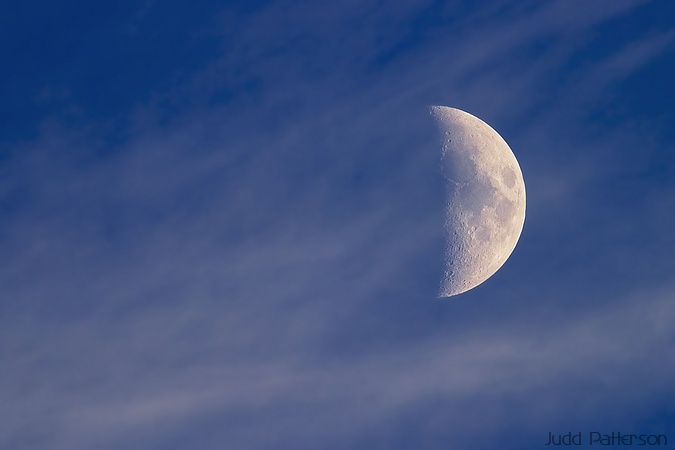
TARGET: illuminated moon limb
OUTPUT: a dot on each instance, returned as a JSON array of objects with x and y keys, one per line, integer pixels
[{"x": 485, "y": 212}]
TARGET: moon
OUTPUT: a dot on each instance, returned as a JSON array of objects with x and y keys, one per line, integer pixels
[{"x": 485, "y": 209}]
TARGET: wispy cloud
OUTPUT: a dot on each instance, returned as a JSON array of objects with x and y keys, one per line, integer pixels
[{"x": 609, "y": 352}]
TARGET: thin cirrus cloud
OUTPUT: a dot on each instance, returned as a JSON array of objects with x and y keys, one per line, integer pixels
[{"x": 495, "y": 366}]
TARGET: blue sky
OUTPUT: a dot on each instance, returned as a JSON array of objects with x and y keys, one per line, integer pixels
[{"x": 222, "y": 224}]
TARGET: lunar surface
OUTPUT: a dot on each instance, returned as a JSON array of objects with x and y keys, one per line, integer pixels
[{"x": 486, "y": 200}]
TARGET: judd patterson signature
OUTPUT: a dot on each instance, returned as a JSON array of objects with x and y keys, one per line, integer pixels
[{"x": 603, "y": 439}]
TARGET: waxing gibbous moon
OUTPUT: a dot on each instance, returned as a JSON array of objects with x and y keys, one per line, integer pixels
[{"x": 485, "y": 209}]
